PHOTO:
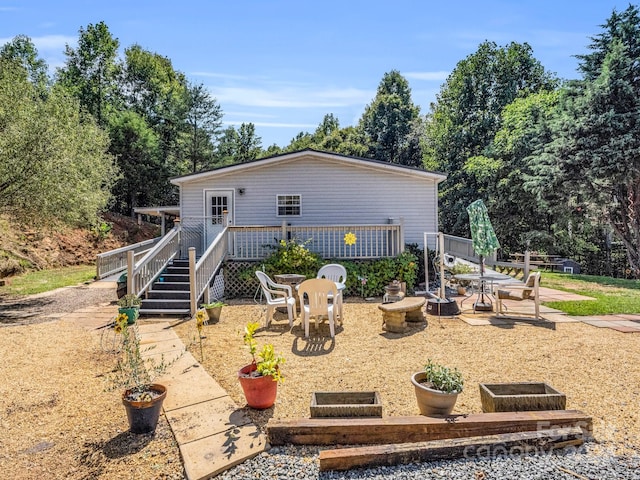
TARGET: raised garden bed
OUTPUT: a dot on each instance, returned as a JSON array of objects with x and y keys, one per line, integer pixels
[
  {"x": 345, "y": 404},
  {"x": 520, "y": 397}
]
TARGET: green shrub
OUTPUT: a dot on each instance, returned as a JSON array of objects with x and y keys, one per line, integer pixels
[{"x": 292, "y": 256}]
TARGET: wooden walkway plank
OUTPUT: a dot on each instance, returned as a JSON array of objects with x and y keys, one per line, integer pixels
[
  {"x": 486, "y": 445},
  {"x": 367, "y": 431}
]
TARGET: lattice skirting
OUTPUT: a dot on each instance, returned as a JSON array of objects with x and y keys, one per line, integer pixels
[{"x": 239, "y": 279}]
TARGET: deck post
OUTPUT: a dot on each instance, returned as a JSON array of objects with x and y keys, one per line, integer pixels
[
  {"x": 131, "y": 262},
  {"x": 401, "y": 246},
  {"x": 527, "y": 264},
  {"x": 192, "y": 280}
]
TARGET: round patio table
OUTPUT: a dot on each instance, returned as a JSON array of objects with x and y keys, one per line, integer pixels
[
  {"x": 293, "y": 280},
  {"x": 484, "y": 295}
]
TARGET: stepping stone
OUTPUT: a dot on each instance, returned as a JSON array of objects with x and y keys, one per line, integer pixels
[
  {"x": 209, "y": 456},
  {"x": 205, "y": 419},
  {"x": 625, "y": 329},
  {"x": 188, "y": 385}
]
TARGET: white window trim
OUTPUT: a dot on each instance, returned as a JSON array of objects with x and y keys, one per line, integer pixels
[{"x": 288, "y": 195}]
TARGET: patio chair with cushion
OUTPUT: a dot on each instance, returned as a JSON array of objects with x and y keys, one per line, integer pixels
[
  {"x": 528, "y": 290},
  {"x": 314, "y": 302},
  {"x": 277, "y": 295}
]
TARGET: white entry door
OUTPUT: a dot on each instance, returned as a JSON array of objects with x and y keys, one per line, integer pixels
[{"x": 217, "y": 203}]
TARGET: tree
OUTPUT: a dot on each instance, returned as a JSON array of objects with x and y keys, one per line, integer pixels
[
  {"x": 593, "y": 164},
  {"x": 238, "y": 146},
  {"x": 54, "y": 165},
  {"x": 249, "y": 144},
  {"x": 467, "y": 114},
  {"x": 91, "y": 71},
  {"x": 158, "y": 93},
  {"x": 22, "y": 49},
  {"x": 389, "y": 123},
  {"x": 329, "y": 137},
  {"x": 204, "y": 121},
  {"x": 136, "y": 146},
  {"x": 514, "y": 210},
  {"x": 623, "y": 27}
]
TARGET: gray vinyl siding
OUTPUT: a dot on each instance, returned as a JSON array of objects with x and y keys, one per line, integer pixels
[{"x": 333, "y": 193}]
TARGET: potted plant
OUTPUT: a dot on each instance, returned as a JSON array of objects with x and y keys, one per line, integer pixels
[
  {"x": 213, "y": 310},
  {"x": 458, "y": 269},
  {"x": 129, "y": 304},
  {"x": 142, "y": 398},
  {"x": 437, "y": 388},
  {"x": 259, "y": 379}
]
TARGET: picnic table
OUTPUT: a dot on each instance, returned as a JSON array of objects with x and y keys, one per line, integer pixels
[{"x": 543, "y": 260}]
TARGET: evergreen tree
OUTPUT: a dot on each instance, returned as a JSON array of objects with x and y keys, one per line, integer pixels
[{"x": 389, "y": 123}]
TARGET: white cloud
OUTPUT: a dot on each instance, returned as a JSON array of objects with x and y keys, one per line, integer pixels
[
  {"x": 227, "y": 76},
  {"x": 47, "y": 43},
  {"x": 291, "y": 97},
  {"x": 273, "y": 124},
  {"x": 428, "y": 76},
  {"x": 248, "y": 114}
]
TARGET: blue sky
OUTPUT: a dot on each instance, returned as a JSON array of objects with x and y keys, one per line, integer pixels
[{"x": 284, "y": 64}]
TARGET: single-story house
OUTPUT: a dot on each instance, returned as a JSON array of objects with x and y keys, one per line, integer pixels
[
  {"x": 310, "y": 187},
  {"x": 237, "y": 212}
]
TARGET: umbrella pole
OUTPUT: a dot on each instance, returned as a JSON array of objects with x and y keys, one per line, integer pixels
[
  {"x": 481, "y": 304},
  {"x": 443, "y": 292}
]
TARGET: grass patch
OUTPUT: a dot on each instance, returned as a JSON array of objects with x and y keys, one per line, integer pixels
[
  {"x": 613, "y": 295},
  {"x": 45, "y": 280}
]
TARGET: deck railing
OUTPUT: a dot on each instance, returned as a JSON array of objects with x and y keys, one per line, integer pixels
[
  {"x": 200, "y": 273},
  {"x": 463, "y": 248},
  {"x": 141, "y": 274},
  {"x": 115, "y": 261},
  {"x": 372, "y": 241}
]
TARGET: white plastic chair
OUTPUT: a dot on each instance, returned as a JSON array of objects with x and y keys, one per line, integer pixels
[
  {"x": 277, "y": 295},
  {"x": 314, "y": 302},
  {"x": 528, "y": 290},
  {"x": 337, "y": 273}
]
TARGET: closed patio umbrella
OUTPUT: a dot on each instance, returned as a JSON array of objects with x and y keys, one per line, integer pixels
[
  {"x": 484, "y": 241},
  {"x": 484, "y": 238}
]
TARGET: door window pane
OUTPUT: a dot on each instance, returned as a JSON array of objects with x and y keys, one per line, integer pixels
[{"x": 218, "y": 207}]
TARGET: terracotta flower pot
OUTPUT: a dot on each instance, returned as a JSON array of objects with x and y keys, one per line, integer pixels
[
  {"x": 260, "y": 391},
  {"x": 432, "y": 403},
  {"x": 143, "y": 415}
]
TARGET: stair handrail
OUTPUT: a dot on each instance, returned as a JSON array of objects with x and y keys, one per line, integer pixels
[
  {"x": 141, "y": 274},
  {"x": 114, "y": 261},
  {"x": 200, "y": 273}
]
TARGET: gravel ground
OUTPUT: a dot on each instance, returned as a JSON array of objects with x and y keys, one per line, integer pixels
[
  {"x": 300, "y": 463},
  {"x": 30, "y": 309},
  {"x": 56, "y": 420}
]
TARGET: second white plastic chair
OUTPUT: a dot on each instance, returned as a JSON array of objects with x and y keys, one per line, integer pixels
[{"x": 277, "y": 295}]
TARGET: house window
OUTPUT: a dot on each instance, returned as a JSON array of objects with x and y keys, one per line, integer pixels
[
  {"x": 218, "y": 207},
  {"x": 289, "y": 205}
]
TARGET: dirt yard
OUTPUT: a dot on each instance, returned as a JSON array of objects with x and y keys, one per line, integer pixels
[
  {"x": 598, "y": 369},
  {"x": 57, "y": 421}
]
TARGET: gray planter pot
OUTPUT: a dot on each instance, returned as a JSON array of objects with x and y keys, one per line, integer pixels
[{"x": 432, "y": 403}]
